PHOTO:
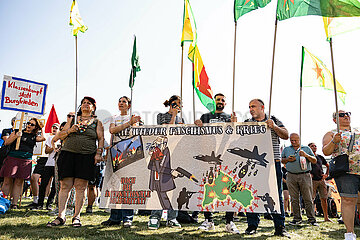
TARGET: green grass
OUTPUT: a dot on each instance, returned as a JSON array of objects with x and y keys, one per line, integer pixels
[{"x": 23, "y": 224}]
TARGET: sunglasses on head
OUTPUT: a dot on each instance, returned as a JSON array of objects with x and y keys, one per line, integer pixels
[
  {"x": 342, "y": 114},
  {"x": 31, "y": 124},
  {"x": 70, "y": 116}
]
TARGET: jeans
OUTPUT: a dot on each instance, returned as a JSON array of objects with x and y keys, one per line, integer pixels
[
  {"x": 118, "y": 215},
  {"x": 253, "y": 219},
  {"x": 171, "y": 214}
]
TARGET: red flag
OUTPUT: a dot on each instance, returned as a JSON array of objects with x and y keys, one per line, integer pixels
[{"x": 51, "y": 119}]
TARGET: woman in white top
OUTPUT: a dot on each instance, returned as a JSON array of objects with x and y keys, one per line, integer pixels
[{"x": 119, "y": 123}]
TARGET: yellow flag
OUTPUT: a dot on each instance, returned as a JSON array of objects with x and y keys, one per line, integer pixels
[
  {"x": 189, "y": 26},
  {"x": 314, "y": 73},
  {"x": 76, "y": 20},
  {"x": 339, "y": 25}
]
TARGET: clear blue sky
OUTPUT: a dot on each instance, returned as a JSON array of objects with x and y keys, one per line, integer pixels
[{"x": 36, "y": 44}]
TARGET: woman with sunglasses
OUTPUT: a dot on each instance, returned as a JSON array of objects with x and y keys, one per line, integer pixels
[
  {"x": 17, "y": 165},
  {"x": 117, "y": 124},
  {"x": 170, "y": 117},
  {"x": 335, "y": 144},
  {"x": 82, "y": 149}
]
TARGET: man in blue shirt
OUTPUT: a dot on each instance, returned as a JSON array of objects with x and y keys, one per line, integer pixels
[{"x": 298, "y": 164}]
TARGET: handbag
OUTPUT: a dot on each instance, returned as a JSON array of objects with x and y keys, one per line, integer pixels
[{"x": 339, "y": 166}]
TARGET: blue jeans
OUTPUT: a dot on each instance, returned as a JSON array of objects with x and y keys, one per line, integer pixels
[
  {"x": 253, "y": 219},
  {"x": 171, "y": 214},
  {"x": 118, "y": 215}
]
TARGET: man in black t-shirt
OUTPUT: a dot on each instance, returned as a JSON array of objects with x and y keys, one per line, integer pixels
[
  {"x": 318, "y": 180},
  {"x": 218, "y": 116}
]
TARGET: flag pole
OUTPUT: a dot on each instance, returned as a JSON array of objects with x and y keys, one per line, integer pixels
[
  {"x": 181, "y": 79},
  {"x": 131, "y": 91},
  {"x": 272, "y": 67},
  {"x": 334, "y": 82},
  {"x": 300, "y": 114},
  {"x": 193, "y": 100},
  {"x": 233, "y": 92},
  {"x": 76, "y": 76}
]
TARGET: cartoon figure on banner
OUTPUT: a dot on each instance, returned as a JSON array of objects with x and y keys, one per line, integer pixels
[
  {"x": 270, "y": 203},
  {"x": 162, "y": 175},
  {"x": 254, "y": 158},
  {"x": 184, "y": 198},
  {"x": 126, "y": 152}
]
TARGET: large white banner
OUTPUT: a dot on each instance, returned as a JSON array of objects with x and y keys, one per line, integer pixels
[
  {"x": 217, "y": 167},
  {"x": 23, "y": 95}
]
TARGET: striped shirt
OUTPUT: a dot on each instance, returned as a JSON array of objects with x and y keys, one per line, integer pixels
[
  {"x": 274, "y": 137},
  {"x": 165, "y": 118}
]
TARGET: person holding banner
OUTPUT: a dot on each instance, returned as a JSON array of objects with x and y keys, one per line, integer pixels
[
  {"x": 17, "y": 165},
  {"x": 335, "y": 144},
  {"x": 170, "y": 117},
  {"x": 278, "y": 130},
  {"x": 117, "y": 124},
  {"x": 76, "y": 163},
  {"x": 218, "y": 116}
]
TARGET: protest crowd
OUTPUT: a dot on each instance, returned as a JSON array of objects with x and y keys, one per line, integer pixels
[{"x": 76, "y": 152}]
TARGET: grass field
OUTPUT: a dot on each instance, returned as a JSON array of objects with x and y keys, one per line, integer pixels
[{"x": 23, "y": 224}]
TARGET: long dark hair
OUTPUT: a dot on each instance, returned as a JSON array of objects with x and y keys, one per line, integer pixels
[
  {"x": 38, "y": 125},
  {"x": 171, "y": 99}
]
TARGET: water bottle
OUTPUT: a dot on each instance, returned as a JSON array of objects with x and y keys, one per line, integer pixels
[{"x": 303, "y": 164}]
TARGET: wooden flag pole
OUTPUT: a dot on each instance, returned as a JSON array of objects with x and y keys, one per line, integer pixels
[
  {"x": 20, "y": 129},
  {"x": 272, "y": 67},
  {"x": 335, "y": 91},
  {"x": 233, "y": 92},
  {"x": 193, "y": 100},
  {"x": 76, "y": 77},
  {"x": 181, "y": 79}
]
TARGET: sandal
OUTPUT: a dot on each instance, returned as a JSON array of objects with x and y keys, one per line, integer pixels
[
  {"x": 14, "y": 206},
  {"x": 76, "y": 222},
  {"x": 57, "y": 222}
]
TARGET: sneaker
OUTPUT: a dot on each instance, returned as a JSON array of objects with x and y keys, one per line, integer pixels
[
  {"x": 173, "y": 223},
  {"x": 268, "y": 216},
  {"x": 350, "y": 236},
  {"x": 54, "y": 212},
  {"x": 153, "y": 223},
  {"x": 295, "y": 222},
  {"x": 109, "y": 222},
  {"x": 287, "y": 214},
  {"x": 314, "y": 223},
  {"x": 250, "y": 230},
  {"x": 69, "y": 212},
  {"x": 49, "y": 208},
  {"x": 206, "y": 226},
  {"x": 231, "y": 228},
  {"x": 281, "y": 232},
  {"x": 127, "y": 224},
  {"x": 89, "y": 209}
]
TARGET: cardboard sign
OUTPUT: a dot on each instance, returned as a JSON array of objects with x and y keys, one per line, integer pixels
[{"x": 23, "y": 95}]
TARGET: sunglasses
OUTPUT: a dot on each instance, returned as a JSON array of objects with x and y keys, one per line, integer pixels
[
  {"x": 342, "y": 114},
  {"x": 31, "y": 124},
  {"x": 70, "y": 116},
  {"x": 218, "y": 99}
]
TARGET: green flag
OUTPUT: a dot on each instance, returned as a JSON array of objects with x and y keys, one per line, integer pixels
[
  {"x": 242, "y": 7},
  {"x": 326, "y": 8},
  {"x": 135, "y": 67}
]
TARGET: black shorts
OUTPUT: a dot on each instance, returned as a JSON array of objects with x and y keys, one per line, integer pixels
[
  {"x": 40, "y": 164},
  {"x": 98, "y": 176},
  {"x": 76, "y": 165}
]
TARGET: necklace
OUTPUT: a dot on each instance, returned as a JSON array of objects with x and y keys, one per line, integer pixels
[{"x": 84, "y": 124}]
